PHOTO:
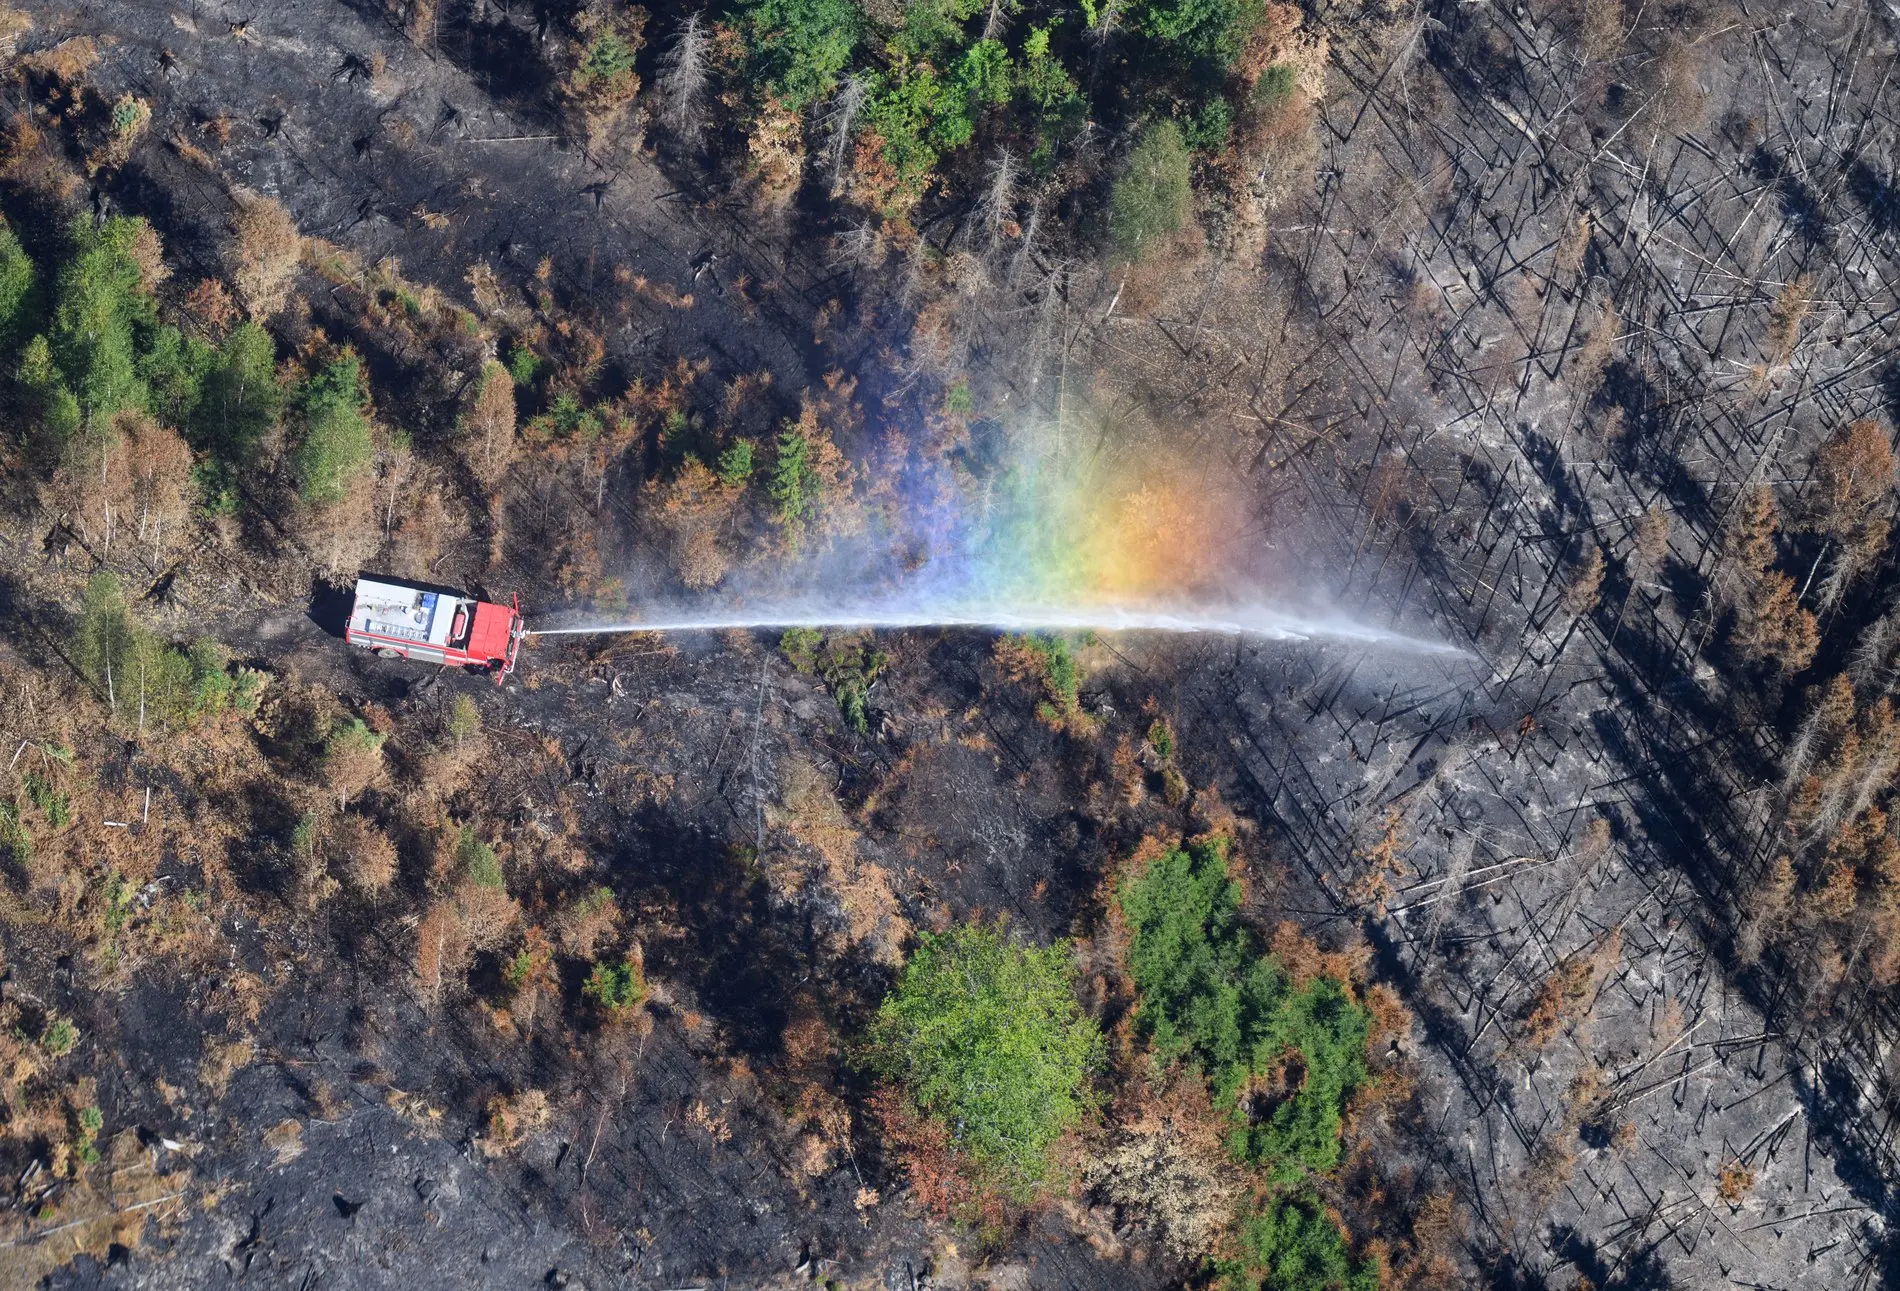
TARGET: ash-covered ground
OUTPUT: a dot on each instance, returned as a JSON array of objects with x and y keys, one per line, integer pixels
[{"x": 1586, "y": 797}]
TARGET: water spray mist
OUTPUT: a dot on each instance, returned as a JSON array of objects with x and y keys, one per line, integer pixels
[{"x": 1023, "y": 534}]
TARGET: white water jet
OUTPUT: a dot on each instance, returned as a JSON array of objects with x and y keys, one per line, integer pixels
[{"x": 1230, "y": 620}]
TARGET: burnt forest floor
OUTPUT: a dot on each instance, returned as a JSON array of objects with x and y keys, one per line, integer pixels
[{"x": 347, "y": 1153}]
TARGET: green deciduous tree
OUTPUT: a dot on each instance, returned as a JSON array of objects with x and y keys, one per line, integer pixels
[
  {"x": 336, "y": 445},
  {"x": 1209, "y": 30},
  {"x": 986, "y": 1037},
  {"x": 933, "y": 30},
  {"x": 801, "y": 47},
  {"x": 98, "y": 301},
  {"x": 239, "y": 398},
  {"x": 150, "y": 683},
  {"x": 173, "y": 368},
  {"x": 103, "y": 636},
  {"x": 1153, "y": 197},
  {"x": 19, "y": 291},
  {"x": 478, "y": 860},
  {"x": 53, "y": 413}
]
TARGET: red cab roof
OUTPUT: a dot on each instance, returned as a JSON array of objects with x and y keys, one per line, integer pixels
[{"x": 489, "y": 640}]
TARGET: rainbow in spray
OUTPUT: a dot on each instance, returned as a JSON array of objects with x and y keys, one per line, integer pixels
[{"x": 1037, "y": 539}]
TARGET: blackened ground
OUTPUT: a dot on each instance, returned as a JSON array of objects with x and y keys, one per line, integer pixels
[
  {"x": 385, "y": 1182},
  {"x": 360, "y": 160}
]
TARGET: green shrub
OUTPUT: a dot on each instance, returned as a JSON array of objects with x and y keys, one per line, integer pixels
[
  {"x": 478, "y": 859},
  {"x": 16, "y": 843},
  {"x": 1209, "y": 996},
  {"x": 1161, "y": 738},
  {"x": 54, "y": 805},
  {"x": 986, "y": 1037},
  {"x": 523, "y": 365},
  {"x": 800, "y": 647},
  {"x": 1153, "y": 197},
  {"x": 1276, "y": 83},
  {"x": 616, "y": 988},
  {"x": 90, "y": 1121},
  {"x": 129, "y": 115},
  {"x": 59, "y": 1036},
  {"x": 336, "y": 445},
  {"x": 1290, "y": 1243},
  {"x": 118, "y": 903},
  {"x": 1207, "y": 128}
]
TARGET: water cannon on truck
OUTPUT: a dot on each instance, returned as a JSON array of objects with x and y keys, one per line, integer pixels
[{"x": 397, "y": 620}]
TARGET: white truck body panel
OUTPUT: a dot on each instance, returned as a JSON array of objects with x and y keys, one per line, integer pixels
[{"x": 386, "y": 610}]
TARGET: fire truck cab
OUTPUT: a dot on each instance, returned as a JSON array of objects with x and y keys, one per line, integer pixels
[{"x": 402, "y": 621}]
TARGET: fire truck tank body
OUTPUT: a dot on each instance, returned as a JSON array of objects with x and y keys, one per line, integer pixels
[{"x": 405, "y": 613}]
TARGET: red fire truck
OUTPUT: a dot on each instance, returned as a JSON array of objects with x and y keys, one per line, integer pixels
[{"x": 400, "y": 621}]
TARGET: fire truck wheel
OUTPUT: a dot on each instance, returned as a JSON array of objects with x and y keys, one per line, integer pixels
[{"x": 388, "y": 652}]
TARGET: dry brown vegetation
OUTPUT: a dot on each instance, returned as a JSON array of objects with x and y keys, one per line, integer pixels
[
  {"x": 809, "y": 812},
  {"x": 263, "y": 256},
  {"x": 489, "y": 424},
  {"x": 1168, "y": 1167},
  {"x": 1568, "y": 993}
]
